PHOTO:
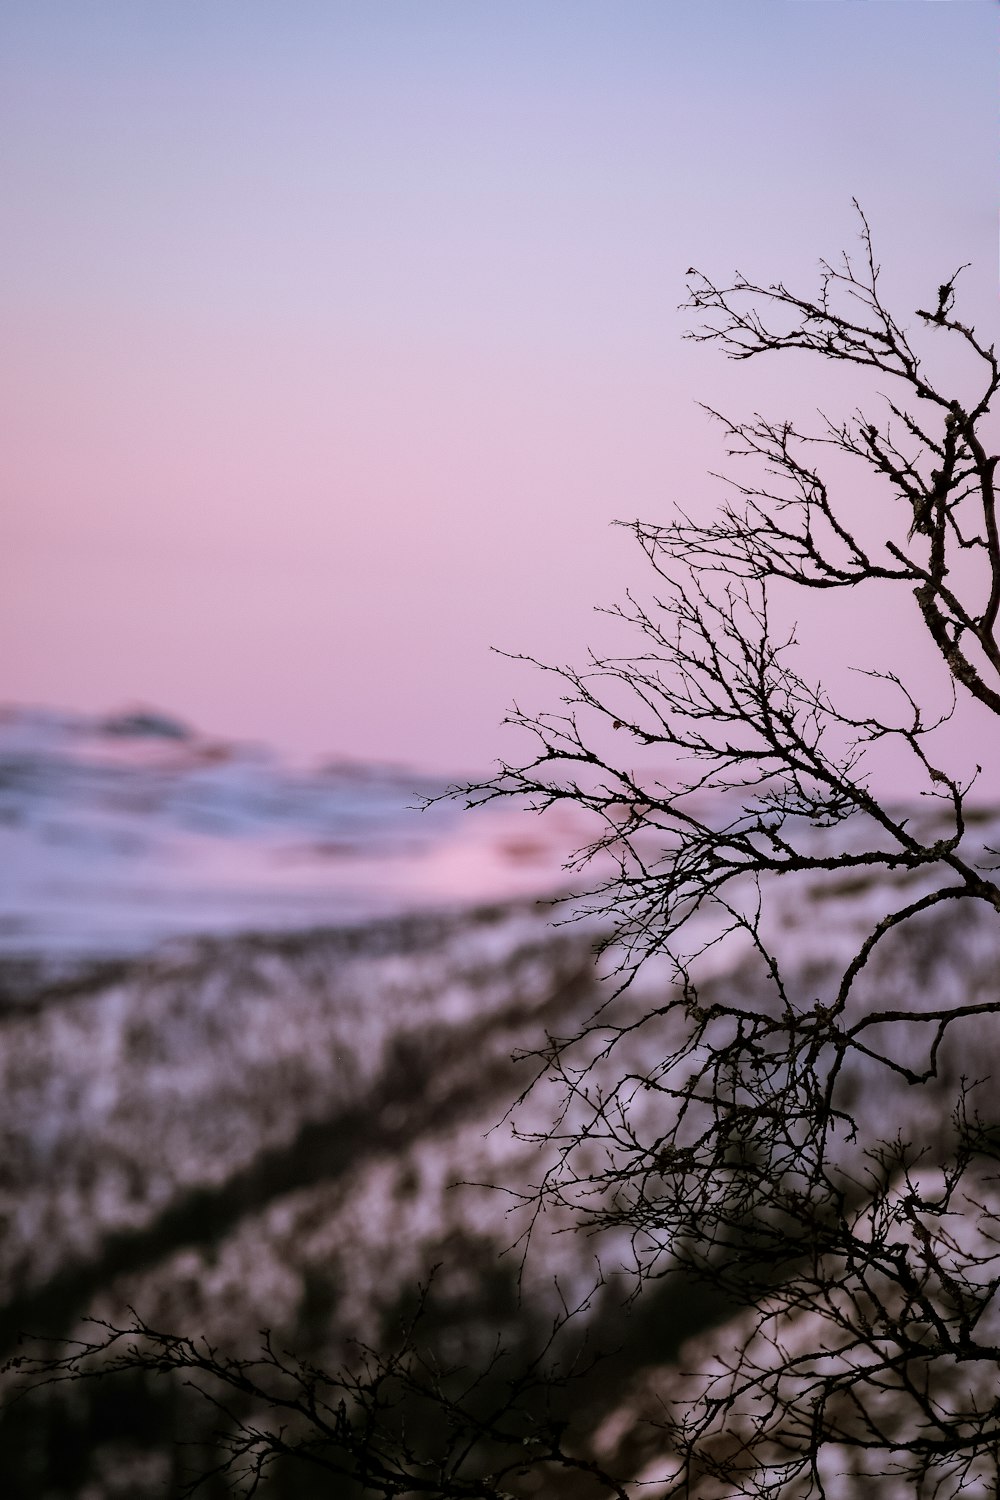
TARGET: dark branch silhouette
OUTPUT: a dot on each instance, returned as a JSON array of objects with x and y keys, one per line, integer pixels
[{"x": 733, "y": 1129}]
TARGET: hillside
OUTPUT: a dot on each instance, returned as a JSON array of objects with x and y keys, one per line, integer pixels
[{"x": 240, "y": 1092}]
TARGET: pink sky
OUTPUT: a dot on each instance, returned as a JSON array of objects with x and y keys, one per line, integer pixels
[{"x": 335, "y": 335}]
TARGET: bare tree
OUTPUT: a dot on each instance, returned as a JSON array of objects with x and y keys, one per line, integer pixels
[
  {"x": 814, "y": 1141},
  {"x": 392, "y": 1423},
  {"x": 732, "y": 1142}
]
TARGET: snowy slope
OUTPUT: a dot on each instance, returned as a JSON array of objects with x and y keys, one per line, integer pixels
[
  {"x": 263, "y": 1123},
  {"x": 117, "y": 833}
]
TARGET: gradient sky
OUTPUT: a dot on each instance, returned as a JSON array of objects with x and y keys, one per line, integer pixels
[{"x": 335, "y": 333}]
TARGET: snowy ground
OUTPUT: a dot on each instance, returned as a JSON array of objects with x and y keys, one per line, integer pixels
[{"x": 260, "y": 1113}]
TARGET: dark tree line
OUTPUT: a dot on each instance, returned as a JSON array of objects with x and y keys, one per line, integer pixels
[{"x": 734, "y": 1129}]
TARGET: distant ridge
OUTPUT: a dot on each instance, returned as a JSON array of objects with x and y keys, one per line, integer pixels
[{"x": 121, "y": 830}]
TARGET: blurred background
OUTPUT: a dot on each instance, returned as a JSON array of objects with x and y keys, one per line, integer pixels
[{"x": 334, "y": 338}]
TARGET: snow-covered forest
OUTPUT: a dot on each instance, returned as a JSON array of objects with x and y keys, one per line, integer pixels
[{"x": 248, "y": 1121}]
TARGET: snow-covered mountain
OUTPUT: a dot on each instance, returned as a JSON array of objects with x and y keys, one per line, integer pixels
[{"x": 119, "y": 832}]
